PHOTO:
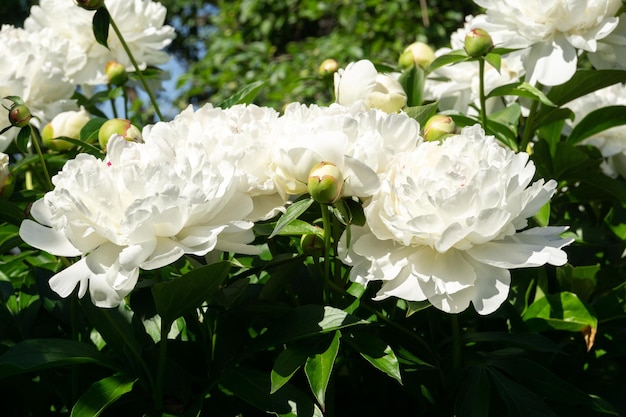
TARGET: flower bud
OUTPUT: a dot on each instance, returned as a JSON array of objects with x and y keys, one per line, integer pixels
[
  {"x": 19, "y": 115},
  {"x": 312, "y": 244},
  {"x": 328, "y": 67},
  {"x": 388, "y": 95},
  {"x": 120, "y": 127},
  {"x": 4, "y": 175},
  {"x": 438, "y": 127},
  {"x": 67, "y": 124},
  {"x": 90, "y": 4},
  {"x": 116, "y": 73},
  {"x": 325, "y": 183},
  {"x": 417, "y": 53},
  {"x": 478, "y": 42}
]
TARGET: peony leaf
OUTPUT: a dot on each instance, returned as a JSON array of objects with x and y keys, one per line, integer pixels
[
  {"x": 23, "y": 137},
  {"x": 244, "y": 96},
  {"x": 319, "y": 367},
  {"x": 101, "y": 394},
  {"x": 178, "y": 297},
  {"x": 562, "y": 311},
  {"x": 412, "y": 80},
  {"x": 452, "y": 57},
  {"x": 474, "y": 400},
  {"x": 100, "y": 26},
  {"x": 89, "y": 132},
  {"x": 37, "y": 354},
  {"x": 422, "y": 113},
  {"x": 287, "y": 363},
  {"x": 377, "y": 353},
  {"x": 596, "y": 122},
  {"x": 521, "y": 89},
  {"x": 293, "y": 212},
  {"x": 584, "y": 82},
  {"x": 495, "y": 60}
]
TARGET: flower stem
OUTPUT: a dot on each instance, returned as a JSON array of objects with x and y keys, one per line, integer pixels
[
  {"x": 136, "y": 66},
  {"x": 113, "y": 108},
  {"x": 481, "y": 92},
  {"x": 34, "y": 135},
  {"x": 528, "y": 132},
  {"x": 326, "y": 223}
]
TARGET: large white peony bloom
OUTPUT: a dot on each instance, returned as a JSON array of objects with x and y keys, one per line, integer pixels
[
  {"x": 445, "y": 225},
  {"x": 141, "y": 22},
  {"x": 359, "y": 84},
  {"x": 33, "y": 69},
  {"x": 553, "y": 31},
  {"x": 136, "y": 210}
]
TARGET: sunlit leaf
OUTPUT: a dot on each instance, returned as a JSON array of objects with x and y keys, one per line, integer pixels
[
  {"x": 102, "y": 394},
  {"x": 319, "y": 367}
]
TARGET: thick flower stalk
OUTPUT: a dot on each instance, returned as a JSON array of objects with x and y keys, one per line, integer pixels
[
  {"x": 136, "y": 210},
  {"x": 553, "y": 32},
  {"x": 446, "y": 225}
]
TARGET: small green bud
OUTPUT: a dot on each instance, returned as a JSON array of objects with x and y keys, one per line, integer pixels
[
  {"x": 325, "y": 183},
  {"x": 90, "y": 4},
  {"x": 19, "y": 115},
  {"x": 438, "y": 127},
  {"x": 116, "y": 73},
  {"x": 478, "y": 42},
  {"x": 312, "y": 244},
  {"x": 417, "y": 53},
  {"x": 328, "y": 67},
  {"x": 120, "y": 127}
]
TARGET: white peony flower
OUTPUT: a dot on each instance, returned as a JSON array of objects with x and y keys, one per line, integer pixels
[
  {"x": 445, "y": 225},
  {"x": 359, "y": 84},
  {"x": 611, "y": 142},
  {"x": 611, "y": 53},
  {"x": 141, "y": 22},
  {"x": 553, "y": 31},
  {"x": 33, "y": 69},
  {"x": 135, "y": 210}
]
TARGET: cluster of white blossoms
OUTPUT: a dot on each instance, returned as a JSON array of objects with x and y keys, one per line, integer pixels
[
  {"x": 57, "y": 51},
  {"x": 552, "y": 33},
  {"x": 444, "y": 226}
]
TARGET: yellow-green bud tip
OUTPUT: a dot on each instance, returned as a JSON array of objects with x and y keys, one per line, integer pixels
[
  {"x": 116, "y": 73},
  {"x": 325, "y": 183},
  {"x": 328, "y": 67},
  {"x": 438, "y": 127},
  {"x": 478, "y": 42},
  {"x": 417, "y": 53}
]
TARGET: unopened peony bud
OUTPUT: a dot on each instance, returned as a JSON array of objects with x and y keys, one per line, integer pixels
[
  {"x": 438, "y": 127},
  {"x": 328, "y": 67},
  {"x": 19, "y": 115},
  {"x": 116, "y": 73},
  {"x": 67, "y": 124},
  {"x": 478, "y": 42},
  {"x": 325, "y": 183},
  {"x": 417, "y": 53},
  {"x": 4, "y": 174},
  {"x": 312, "y": 244},
  {"x": 90, "y": 4},
  {"x": 388, "y": 94},
  {"x": 120, "y": 127}
]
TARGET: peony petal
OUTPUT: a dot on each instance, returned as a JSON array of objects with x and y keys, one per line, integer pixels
[
  {"x": 47, "y": 239},
  {"x": 65, "y": 281},
  {"x": 551, "y": 63},
  {"x": 491, "y": 289}
]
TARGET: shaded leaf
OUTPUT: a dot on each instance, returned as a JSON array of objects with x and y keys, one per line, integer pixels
[
  {"x": 422, "y": 113},
  {"x": 100, "y": 26},
  {"x": 101, "y": 394},
  {"x": 596, "y": 122},
  {"x": 287, "y": 363},
  {"x": 412, "y": 80},
  {"x": 474, "y": 395}
]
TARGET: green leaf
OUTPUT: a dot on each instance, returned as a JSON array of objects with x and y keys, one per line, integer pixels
[
  {"x": 293, "y": 212},
  {"x": 89, "y": 132},
  {"x": 412, "y": 80},
  {"x": 580, "y": 280},
  {"x": 38, "y": 354},
  {"x": 562, "y": 311},
  {"x": 182, "y": 295},
  {"x": 495, "y": 60},
  {"x": 520, "y": 401},
  {"x": 287, "y": 363},
  {"x": 244, "y": 96},
  {"x": 452, "y": 57},
  {"x": 295, "y": 228},
  {"x": 319, "y": 367},
  {"x": 23, "y": 137},
  {"x": 376, "y": 352},
  {"x": 521, "y": 89},
  {"x": 474, "y": 397},
  {"x": 422, "y": 113},
  {"x": 100, "y": 26},
  {"x": 584, "y": 82},
  {"x": 101, "y": 394},
  {"x": 598, "y": 121}
]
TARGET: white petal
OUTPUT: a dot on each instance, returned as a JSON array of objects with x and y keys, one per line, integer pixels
[
  {"x": 65, "y": 281},
  {"x": 47, "y": 239},
  {"x": 491, "y": 288},
  {"x": 551, "y": 63}
]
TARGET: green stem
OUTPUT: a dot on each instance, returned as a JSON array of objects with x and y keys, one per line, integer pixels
[
  {"x": 481, "y": 92},
  {"x": 34, "y": 135},
  {"x": 160, "y": 381},
  {"x": 75, "y": 336},
  {"x": 136, "y": 66},
  {"x": 456, "y": 342},
  {"x": 112, "y": 101},
  {"x": 326, "y": 223},
  {"x": 125, "y": 95},
  {"x": 528, "y": 131}
]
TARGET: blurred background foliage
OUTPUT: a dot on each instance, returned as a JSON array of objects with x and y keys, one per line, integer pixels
[{"x": 224, "y": 45}]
